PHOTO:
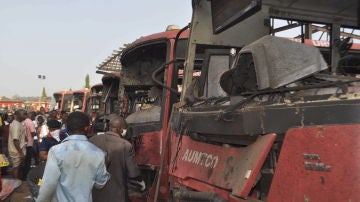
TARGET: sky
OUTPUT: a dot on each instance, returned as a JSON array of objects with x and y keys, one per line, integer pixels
[{"x": 66, "y": 39}]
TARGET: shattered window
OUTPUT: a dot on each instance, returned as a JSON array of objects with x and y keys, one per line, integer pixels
[
  {"x": 218, "y": 64},
  {"x": 242, "y": 77},
  {"x": 67, "y": 102}
]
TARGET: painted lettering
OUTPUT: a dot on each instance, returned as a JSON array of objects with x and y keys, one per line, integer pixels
[
  {"x": 184, "y": 158},
  {"x": 197, "y": 157},
  {"x": 200, "y": 158},
  {"x": 208, "y": 161},
  {"x": 190, "y": 156}
]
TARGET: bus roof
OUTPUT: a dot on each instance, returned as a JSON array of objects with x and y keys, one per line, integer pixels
[
  {"x": 67, "y": 92},
  {"x": 81, "y": 91},
  {"x": 161, "y": 35},
  {"x": 97, "y": 85},
  {"x": 157, "y": 36},
  {"x": 323, "y": 11}
]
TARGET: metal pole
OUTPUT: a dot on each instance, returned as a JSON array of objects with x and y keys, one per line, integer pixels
[{"x": 334, "y": 44}]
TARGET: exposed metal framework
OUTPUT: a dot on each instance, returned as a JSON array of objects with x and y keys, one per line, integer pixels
[
  {"x": 311, "y": 28},
  {"x": 111, "y": 63},
  {"x": 344, "y": 13}
]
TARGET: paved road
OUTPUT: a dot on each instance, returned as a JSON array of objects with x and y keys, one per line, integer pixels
[{"x": 20, "y": 194}]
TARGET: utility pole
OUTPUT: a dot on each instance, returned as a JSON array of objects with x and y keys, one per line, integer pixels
[{"x": 43, "y": 94}]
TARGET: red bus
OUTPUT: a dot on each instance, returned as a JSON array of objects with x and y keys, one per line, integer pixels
[
  {"x": 63, "y": 100},
  {"x": 79, "y": 100},
  {"x": 93, "y": 102}
]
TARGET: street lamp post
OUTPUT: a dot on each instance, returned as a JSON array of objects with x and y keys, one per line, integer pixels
[{"x": 41, "y": 77}]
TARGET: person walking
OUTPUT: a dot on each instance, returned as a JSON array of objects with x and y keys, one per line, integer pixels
[
  {"x": 17, "y": 143},
  {"x": 30, "y": 133},
  {"x": 42, "y": 129},
  {"x": 73, "y": 167},
  {"x": 35, "y": 150},
  {"x": 8, "y": 119},
  {"x": 120, "y": 161},
  {"x": 54, "y": 137}
]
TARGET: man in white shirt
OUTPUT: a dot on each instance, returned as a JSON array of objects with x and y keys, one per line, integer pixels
[
  {"x": 42, "y": 129},
  {"x": 16, "y": 142}
]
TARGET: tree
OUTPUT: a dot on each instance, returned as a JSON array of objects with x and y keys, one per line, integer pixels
[
  {"x": 43, "y": 94},
  {"x": 87, "y": 81},
  {"x": 16, "y": 97},
  {"x": 126, "y": 45}
]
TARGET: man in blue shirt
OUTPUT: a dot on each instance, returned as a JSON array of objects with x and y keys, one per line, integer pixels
[{"x": 74, "y": 166}]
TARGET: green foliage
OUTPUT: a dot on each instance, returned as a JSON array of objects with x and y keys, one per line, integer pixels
[
  {"x": 87, "y": 81},
  {"x": 43, "y": 94},
  {"x": 126, "y": 45},
  {"x": 16, "y": 97}
]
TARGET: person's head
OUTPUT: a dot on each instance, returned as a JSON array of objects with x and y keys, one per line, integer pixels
[
  {"x": 20, "y": 115},
  {"x": 53, "y": 125},
  {"x": 58, "y": 115},
  {"x": 64, "y": 117},
  {"x": 10, "y": 118},
  {"x": 53, "y": 115},
  {"x": 78, "y": 123},
  {"x": 40, "y": 120},
  {"x": 117, "y": 125},
  {"x": 32, "y": 115},
  {"x": 42, "y": 111}
]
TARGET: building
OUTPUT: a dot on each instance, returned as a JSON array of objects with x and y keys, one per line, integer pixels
[
  {"x": 10, "y": 105},
  {"x": 32, "y": 103}
]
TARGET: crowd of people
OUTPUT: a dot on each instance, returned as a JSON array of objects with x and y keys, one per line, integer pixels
[
  {"x": 32, "y": 128},
  {"x": 54, "y": 154}
]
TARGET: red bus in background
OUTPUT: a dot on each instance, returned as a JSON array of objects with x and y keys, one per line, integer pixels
[
  {"x": 108, "y": 101},
  {"x": 63, "y": 100},
  {"x": 93, "y": 102},
  {"x": 79, "y": 100},
  {"x": 110, "y": 93},
  {"x": 11, "y": 105}
]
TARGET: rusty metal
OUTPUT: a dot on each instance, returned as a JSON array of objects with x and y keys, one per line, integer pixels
[
  {"x": 197, "y": 196},
  {"x": 148, "y": 144},
  {"x": 111, "y": 64},
  {"x": 150, "y": 141},
  {"x": 329, "y": 173},
  {"x": 312, "y": 156},
  {"x": 257, "y": 118},
  {"x": 204, "y": 167},
  {"x": 327, "y": 30},
  {"x": 317, "y": 166}
]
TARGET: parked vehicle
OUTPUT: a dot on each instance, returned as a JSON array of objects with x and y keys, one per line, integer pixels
[
  {"x": 78, "y": 102},
  {"x": 63, "y": 100},
  {"x": 223, "y": 111},
  {"x": 144, "y": 102},
  {"x": 93, "y": 102},
  {"x": 109, "y": 102},
  {"x": 268, "y": 119}
]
